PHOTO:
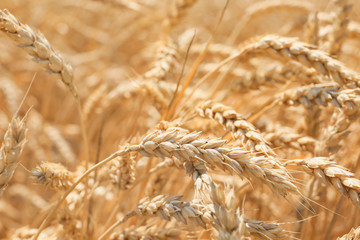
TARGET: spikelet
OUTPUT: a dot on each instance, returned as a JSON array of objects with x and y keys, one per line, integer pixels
[{"x": 54, "y": 175}]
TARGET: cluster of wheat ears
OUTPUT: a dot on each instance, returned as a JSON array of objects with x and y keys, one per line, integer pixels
[{"x": 179, "y": 119}]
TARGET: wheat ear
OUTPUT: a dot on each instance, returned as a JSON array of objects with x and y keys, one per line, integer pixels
[
  {"x": 306, "y": 54},
  {"x": 37, "y": 46},
  {"x": 249, "y": 136},
  {"x": 167, "y": 208},
  {"x": 323, "y": 94},
  {"x": 338, "y": 176},
  {"x": 54, "y": 175},
  {"x": 122, "y": 171},
  {"x": 166, "y": 55},
  {"x": 11, "y": 148},
  {"x": 189, "y": 147}
]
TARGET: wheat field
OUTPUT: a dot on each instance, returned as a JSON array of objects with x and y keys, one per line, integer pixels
[{"x": 179, "y": 119}]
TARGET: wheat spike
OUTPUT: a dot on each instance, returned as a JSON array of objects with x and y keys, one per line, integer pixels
[
  {"x": 122, "y": 171},
  {"x": 308, "y": 55},
  {"x": 338, "y": 176},
  {"x": 249, "y": 136},
  {"x": 321, "y": 95},
  {"x": 11, "y": 148},
  {"x": 54, "y": 175},
  {"x": 189, "y": 147},
  {"x": 37, "y": 46}
]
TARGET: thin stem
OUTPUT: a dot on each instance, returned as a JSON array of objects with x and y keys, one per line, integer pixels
[{"x": 86, "y": 150}]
